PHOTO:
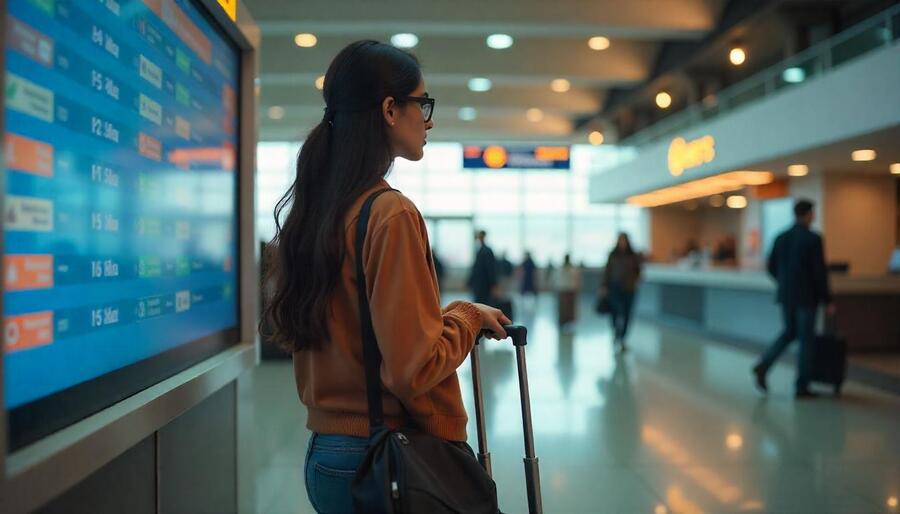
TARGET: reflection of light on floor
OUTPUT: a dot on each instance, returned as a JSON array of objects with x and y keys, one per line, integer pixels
[
  {"x": 751, "y": 505},
  {"x": 734, "y": 442},
  {"x": 703, "y": 476},
  {"x": 680, "y": 504}
]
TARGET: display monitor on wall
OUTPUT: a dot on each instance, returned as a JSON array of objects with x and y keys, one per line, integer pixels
[{"x": 120, "y": 206}]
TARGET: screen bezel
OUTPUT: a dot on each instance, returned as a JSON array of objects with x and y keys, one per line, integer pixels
[{"x": 40, "y": 418}]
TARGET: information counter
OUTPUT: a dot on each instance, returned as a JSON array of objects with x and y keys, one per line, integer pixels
[{"x": 740, "y": 305}]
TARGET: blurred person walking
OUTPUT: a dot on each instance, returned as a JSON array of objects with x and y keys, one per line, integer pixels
[
  {"x": 619, "y": 286},
  {"x": 568, "y": 283},
  {"x": 797, "y": 263}
]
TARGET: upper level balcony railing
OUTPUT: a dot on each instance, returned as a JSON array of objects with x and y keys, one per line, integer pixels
[{"x": 877, "y": 32}]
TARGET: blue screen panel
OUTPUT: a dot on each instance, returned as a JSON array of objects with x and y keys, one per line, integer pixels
[{"x": 120, "y": 208}]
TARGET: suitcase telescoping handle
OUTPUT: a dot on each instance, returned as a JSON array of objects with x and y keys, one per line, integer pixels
[{"x": 519, "y": 336}]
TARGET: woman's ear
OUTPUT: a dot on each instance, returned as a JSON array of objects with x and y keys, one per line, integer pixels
[{"x": 389, "y": 110}]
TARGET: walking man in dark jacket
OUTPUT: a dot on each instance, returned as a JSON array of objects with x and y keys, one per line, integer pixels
[
  {"x": 483, "y": 280},
  {"x": 797, "y": 263}
]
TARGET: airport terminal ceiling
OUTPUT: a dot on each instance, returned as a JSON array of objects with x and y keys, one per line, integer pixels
[
  {"x": 550, "y": 42},
  {"x": 549, "y": 85}
]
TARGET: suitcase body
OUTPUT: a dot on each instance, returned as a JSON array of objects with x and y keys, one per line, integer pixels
[
  {"x": 519, "y": 336},
  {"x": 829, "y": 360}
]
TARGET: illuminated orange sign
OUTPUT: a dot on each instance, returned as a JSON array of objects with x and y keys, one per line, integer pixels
[
  {"x": 495, "y": 157},
  {"x": 684, "y": 155}
]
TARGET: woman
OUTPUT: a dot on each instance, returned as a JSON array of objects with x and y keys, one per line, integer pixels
[
  {"x": 376, "y": 110},
  {"x": 620, "y": 279}
]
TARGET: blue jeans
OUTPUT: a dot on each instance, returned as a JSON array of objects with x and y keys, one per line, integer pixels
[
  {"x": 799, "y": 324},
  {"x": 331, "y": 462}
]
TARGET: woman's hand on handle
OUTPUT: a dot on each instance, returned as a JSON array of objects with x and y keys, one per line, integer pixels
[{"x": 492, "y": 321}]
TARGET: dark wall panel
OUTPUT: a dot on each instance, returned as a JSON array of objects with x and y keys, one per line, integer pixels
[
  {"x": 680, "y": 301},
  {"x": 198, "y": 459},
  {"x": 127, "y": 484}
]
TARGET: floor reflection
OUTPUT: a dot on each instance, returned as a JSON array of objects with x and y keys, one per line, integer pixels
[{"x": 672, "y": 426}]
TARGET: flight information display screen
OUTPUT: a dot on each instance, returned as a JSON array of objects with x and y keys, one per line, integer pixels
[{"x": 120, "y": 206}]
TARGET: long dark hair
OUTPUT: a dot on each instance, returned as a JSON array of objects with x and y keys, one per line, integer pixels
[
  {"x": 347, "y": 153},
  {"x": 628, "y": 249}
]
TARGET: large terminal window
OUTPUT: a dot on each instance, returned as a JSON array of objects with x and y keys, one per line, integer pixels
[{"x": 120, "y": 205}]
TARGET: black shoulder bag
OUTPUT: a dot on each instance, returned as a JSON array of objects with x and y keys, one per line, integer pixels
[{"x": 406, "y": 470}]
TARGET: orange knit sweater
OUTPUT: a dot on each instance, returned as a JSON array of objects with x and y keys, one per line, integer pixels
[{"x": 421, "y": 344}]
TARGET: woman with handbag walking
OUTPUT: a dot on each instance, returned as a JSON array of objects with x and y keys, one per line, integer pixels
[
  {"x": 620, "y": 280},
  {"x": 376, "y": 110}
]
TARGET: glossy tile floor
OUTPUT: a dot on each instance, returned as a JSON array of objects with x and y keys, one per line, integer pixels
[{"x": 673, "y": 426}]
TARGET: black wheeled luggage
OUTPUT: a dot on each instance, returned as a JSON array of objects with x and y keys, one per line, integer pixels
[
  {"x": 829, "y": 357},
  {"x": 519, "y": 336}
]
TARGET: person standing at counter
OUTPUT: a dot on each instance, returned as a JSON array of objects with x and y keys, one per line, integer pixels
[
  {"x": 797, "y": 263},
  {"x": 620, "y": 279}
]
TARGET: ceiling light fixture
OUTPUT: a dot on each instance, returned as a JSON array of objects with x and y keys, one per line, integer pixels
[
  {"x": 320, "y": 82},
  {"x": 499, "y": 41},
  {"x": 480, "y": 84},
  {"x": 798, "y": 170},
  {"x": 276, "y": 112},
  {"x": 864, "y": 155},
  {"x": 405, "y": 40},
  {"x": 793, "y": 75},
  {"x": 467, "y": 113},
  {"x": 895, "y": 168},
  {"x": 560, "y": 85},
  {"x": 663, "y": 100},
  {"x": 737, "y": 56},
  {"x": 305, "y": 40},
  {"x": 596, "y": 138},
  {"x": 598, "y": 43},
  {"x": 736, "y": 201},
  {"x": 534, "y": 115}
]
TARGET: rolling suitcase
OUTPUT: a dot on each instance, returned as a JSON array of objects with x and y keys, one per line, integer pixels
[
  {"x": 519, "y": 336},
  {"x": 829, "y": 357}
]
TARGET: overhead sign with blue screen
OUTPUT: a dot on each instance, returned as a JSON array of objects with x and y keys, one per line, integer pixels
[
  {"x": 120, "y": 208},
  {"x": 516, "y": 157}
]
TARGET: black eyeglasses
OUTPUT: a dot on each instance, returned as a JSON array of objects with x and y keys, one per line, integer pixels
[{"x": 427, "y": 104}]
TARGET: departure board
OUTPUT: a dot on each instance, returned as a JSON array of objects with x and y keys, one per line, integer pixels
[{"x": 120, "y": 207}]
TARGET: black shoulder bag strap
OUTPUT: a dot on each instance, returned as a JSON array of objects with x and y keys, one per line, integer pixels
[{"x": 371, "y": 353}]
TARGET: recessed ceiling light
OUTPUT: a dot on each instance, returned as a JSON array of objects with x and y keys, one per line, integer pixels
[
  {"x": 598, "y": 43},
  {"x": 793, "y": 75},
  {"x": 596, "y": 137},
  {"x": 276, "y": 112},
  {"x": 798, "y": 170},
  {"x": 560, "y": 85},
  {"x": 534, "y": 114},
  {"x": 895, "y": 168},
  {"x": 736, "y": 201},
  {"x": 479, "y": 84},
  {"x": 405, "y": 40},
  {"x": 467, "y": 113},
  {"x": 717, "y": 200},
  {"x": 663, "y": 100},
  {"x": 863, "y": 155},
  {"x": 320, "y": 82},
  {"x": 737, "y": 56},
  {"x": 499, "y": 41},
  {"x": 305, "y": 40}
]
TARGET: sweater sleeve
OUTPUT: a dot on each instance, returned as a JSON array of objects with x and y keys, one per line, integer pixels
[{"x": 421, "y": 345}]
